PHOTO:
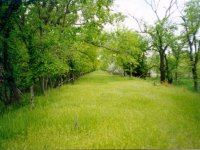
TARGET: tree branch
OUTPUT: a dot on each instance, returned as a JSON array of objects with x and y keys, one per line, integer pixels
[
  {"x": 107, "y": 48},
  {"x": 13, "y": 6},
  {"x": 168, "y": 10},
  {"x": 153, "y": 9},
  {"x": 154, "y": 6}
]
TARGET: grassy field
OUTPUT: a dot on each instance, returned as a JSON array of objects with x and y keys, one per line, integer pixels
[{"x": 105, "y": 111}]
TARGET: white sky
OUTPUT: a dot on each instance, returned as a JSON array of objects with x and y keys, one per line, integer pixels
[{"x": 140, "y": 10}]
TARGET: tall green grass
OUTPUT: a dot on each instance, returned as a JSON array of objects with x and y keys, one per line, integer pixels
[{"x": 105, "y": 111}]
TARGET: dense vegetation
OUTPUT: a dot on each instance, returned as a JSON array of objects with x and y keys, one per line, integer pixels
[
  {"x": 106, "y": 111},
  {"x": 42, "y": 43},
  {"x": 45, "y": 44}
]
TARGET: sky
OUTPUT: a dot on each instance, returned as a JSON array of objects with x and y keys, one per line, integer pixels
[{"x": 141, "y": 10}]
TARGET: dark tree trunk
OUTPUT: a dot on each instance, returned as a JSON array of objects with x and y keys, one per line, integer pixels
[
  {"x": 162, "y": 67},
  {"x": 50, "y": 82},
  {"x": 72, "y": 77},
  {"x": 61, "y": 81},
  {"x": 46, "y": 80},
  {"x": 6, "y": 99},
  {"x": 131, "y": 71},
  {"x": 168, "y": 74},
  {"x": 176, "y": 66},
  {"x": 42, "y": 84},
  {"x": 194, "y": 69},
  {"x": 194, "y": 55},
  {"x": 12, "y": 7},
  {"x": 14, "y": 92},
  {"x": 194, "y": 61},
  {"x": 9, "y": 79},
  {"x": 166, "y": 68},
  {"x": 195, "y": 76},
  {"x": 176, "y": 72},
  {"x": 176, "y": 76}
]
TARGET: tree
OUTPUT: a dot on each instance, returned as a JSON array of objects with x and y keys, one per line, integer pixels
[
  {"x": 160, "y": 41},
  {"x": 176, "y": 46},
  {"x": 127, "y": 51},
  {"x": 159, "y": 33},
  {"x": 43, "y": 43},
  {"x": 191, "y": 24},
  {"x": 7, "y": 11}
]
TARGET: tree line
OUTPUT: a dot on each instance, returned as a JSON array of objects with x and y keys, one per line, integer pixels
[
  {"x": 172, "y": 46},
  {"x": 42, "y": 43},
  {"x": 172, "y": 54},
  {"x": 46, "y": 43}
]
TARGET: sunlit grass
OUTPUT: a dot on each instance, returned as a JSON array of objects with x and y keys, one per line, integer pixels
[{"x": 105, "y": 111}]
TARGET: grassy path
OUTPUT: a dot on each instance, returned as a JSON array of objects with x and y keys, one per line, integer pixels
[{"x": 105, "y": 111}]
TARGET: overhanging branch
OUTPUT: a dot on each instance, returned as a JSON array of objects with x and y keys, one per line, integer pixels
[{"x": 106, "y": 48}]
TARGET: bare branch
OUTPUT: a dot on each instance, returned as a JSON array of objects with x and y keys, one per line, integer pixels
[
  {"x": 168, "y": 12},
  {"x": 139, "y": 23},
  {"x": 154, "y": 8},
  {"x": 179, "y": 10},
  {"x": 158, "y": 3}
]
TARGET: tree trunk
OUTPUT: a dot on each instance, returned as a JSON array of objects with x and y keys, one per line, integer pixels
[
  {"x": 194, "y": 61},
  {"x": 168, "y": 74},
  {"x": 131, "y": 71},
  {"x": 195, "y": 77},
  {"x": 14, "y": 92},
  {"x": 32, "y": 96},
  {"x": 42, "y": 85},
  {"x": 6, "y": 99},
  {"x": 9, "y": 79},
  {"x": 194, "y": 55},
  {"x": 176, "y": 76},
  {"x": 50, "y": 82},
  {"x": 176, "y": 71},
  {"x": 177, "y": 64},
  {"x": 162, "y": 67},
  {"x": 72, "y": 77},
  {"x": 46, "y": 80},
  {"x": 61, "y": 81},
  {"x": 12, "y": 8}
]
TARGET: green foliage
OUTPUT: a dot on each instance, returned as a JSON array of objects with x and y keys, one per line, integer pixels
[
  {"x": 19, "y": 59},
  {"x": 83, "y": 58},
  {"x": 161, "y": 34},
  {"x": 192, "y": 13},
  {"x": 47, "y": 42},
  {"x": 130, "y": 50}
]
